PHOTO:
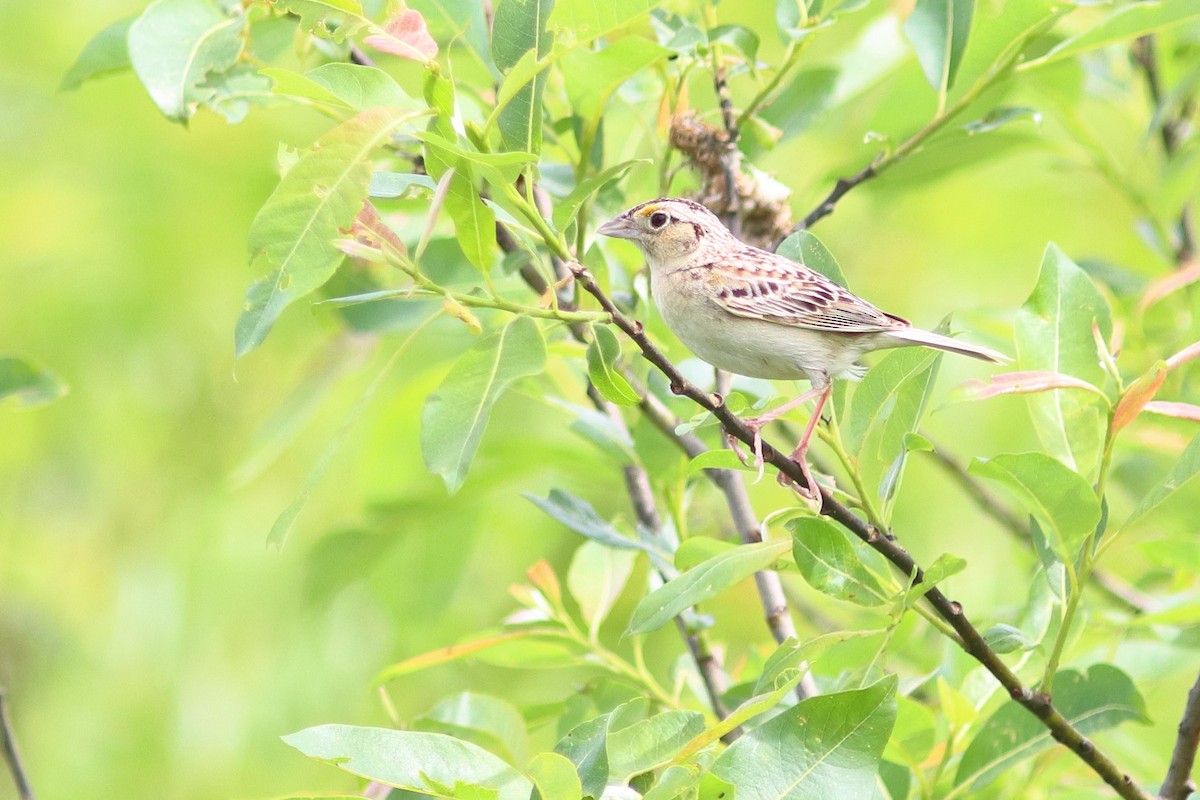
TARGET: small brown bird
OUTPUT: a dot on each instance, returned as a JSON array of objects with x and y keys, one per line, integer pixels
[{"x": 761, "y": 315}]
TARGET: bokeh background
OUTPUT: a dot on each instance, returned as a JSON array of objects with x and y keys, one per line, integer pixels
[{"x": 154, "y": 646}]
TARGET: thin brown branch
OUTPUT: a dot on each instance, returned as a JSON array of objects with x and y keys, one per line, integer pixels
[
  {"x": 637, "y": 484},
  {"x": 1171, "y": 131},
  {"x": 732, "y": 485},
  {"x": 968, "y": 636},
  {"x": 1178, "y": 783},
  {"x": 641, "y": 496},
  {"x": 731, "y": 215},
  {"x": 826, "y": 206},
  {"x": 8, "y": 743},
  {"x": 1116, "y": 589}
]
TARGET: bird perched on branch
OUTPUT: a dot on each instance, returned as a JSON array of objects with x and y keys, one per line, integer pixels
[{"x": 754, "y": 313}]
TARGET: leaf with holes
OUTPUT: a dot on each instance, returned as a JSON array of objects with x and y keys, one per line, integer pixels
[{"x": 176, "y": 44}]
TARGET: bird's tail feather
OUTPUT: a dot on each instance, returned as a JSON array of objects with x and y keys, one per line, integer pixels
[{"x": 937, "y": 340}]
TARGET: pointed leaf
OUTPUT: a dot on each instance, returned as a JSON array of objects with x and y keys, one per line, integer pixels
[
  {"x": 1182, "y": 473},
  {"x": 1122, "y": 23},
  {"x": 1171, "y": 409},
  {"x": 830, "y": 564},
  {"x": 479, "y": 718},
  {"x": 296, "y": 228},
  {"x": 1027, "y": 382},
  {"x": 650, "y": 743},
  {"x": 602, "y": 354},
  {"x": 580, "y": 517},
  {"x": 175, "y": 44},
  {"x": 596, "y": 577},
  {"x": 703, "y": 582},
  {"x": 887, "y": 406},
  {"x": 1102, "y": 699},
  {"x": 428, "y": 763},
  {"x": 519, "y": 28},
  {"x": 938, "y": 30},
  {"x": 445, "y": 655},
  {"x": 108, "y": 51},
  {"x": 405, "y": 35},
  {"x": 823, "y": 747},
  {"x": 805, "y": 248},
  {"x": 27, "y": 385},
  {"x": 1053, "y": 333},
  {"x": 1139, "y": 393},
  {"x": 554, "y": 778},
  {"x": 1058, "y": 498},
  {"x": 455, "y": 415}
]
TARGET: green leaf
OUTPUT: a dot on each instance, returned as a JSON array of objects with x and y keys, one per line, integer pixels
[
  {"x": 555, "y": 638},
  {"x": 602, "y": 354},
  {"x": 591, "y": 77},
  {"x": 554, "y": 778},
  {"x": 474, "y": 220},
  {"x": 702, "y": 583},
  {"x": 490, "y": 722},
  {"x": 1059, "y": 499},
  {"x": 26, "y": 385},
  {"x": 584, "y": 745},
  {"x": 888, "y": 406},
  {"x": 1053, "y": 332},
  {"x": 596, "y": 577},
  {"x": 1102, "y": 699},
  {"x": 235, "y": 91},
  {"x": 498, "y": 168},
  {"x": 173, "y": 47},
  {"x": 943, "y": 567},
  {"x": 938, "y": 30},
  {"x": 108, "y": 51},
  {"x": 519, "y": 28},
  {"x": 295, "y": 230},
  {"x": 786, "y": 665},
  {"x": 999, "y": 117},
  {"x": 399, "y": 184},
  {"x": 430, "y": 763},
  {"x": 1185, "y": 469},
  {"x": 360, "y": 87},
  {"x": 914, "y": 734},
  {"x": 455, "y": 415},
  {"x": 674, "y": 782},
  {"x": 565, "y": 209},
  {"x": 335, "y": 19},
  {"x": 1007, "y": 639},
  {"x": 587, "y": 20},
  {"x": 1122, "y": 23},
  {"x": 805, "y": 248},
  {"x": 801, "y": 104},
  {"x": 580, "y": 517},
  {"x": 718, "y": 458},
  {"x": 822, "y": 748},
  {"x": 830, "y": 564},
  {"x": 650, "y": 743}
]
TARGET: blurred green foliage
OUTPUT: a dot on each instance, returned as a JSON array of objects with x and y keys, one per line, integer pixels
[{"x": 151, "y": 642}]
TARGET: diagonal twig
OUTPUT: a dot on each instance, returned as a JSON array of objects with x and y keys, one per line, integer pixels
[
  {"x": 1171, "y": 132},
  {"x": 8, "y": 744},
  {"x": 1178, "y": 783}
]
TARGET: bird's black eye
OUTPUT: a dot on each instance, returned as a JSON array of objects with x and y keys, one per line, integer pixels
[{"x": 658, "y": 219}]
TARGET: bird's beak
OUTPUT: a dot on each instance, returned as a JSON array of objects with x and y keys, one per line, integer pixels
[{"x": 618, "y": 228}]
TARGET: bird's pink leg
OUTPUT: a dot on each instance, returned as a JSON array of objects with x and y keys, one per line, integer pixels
[
  {"x": 799, "y": 455},
  {"x": 756, "y": 424}
]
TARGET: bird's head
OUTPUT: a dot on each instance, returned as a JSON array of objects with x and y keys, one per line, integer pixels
[{"x": 670, "y": 231}]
